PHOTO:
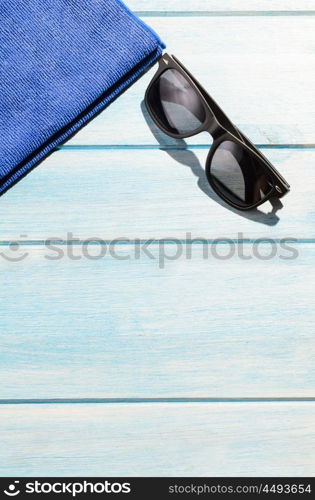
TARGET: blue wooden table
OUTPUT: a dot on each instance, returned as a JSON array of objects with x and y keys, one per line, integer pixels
[{"x": 203, "y": 366}]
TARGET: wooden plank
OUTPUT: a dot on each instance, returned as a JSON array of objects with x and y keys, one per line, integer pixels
[
  {"x": 214, "y": 6},
  {"x": 265, "y": 439},
  {"x": 148, "y": 194},
  {"x": 199, "y": 327},
  {"x": 259, "y": 69}
]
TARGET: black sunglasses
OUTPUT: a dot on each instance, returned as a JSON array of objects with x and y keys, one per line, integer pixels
[{"x": 237, "y": 171}]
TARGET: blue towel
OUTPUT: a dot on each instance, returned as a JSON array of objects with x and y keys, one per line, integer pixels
[{"x": 61, "y": 62}]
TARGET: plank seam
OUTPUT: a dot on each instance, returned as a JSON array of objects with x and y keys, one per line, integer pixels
[
  {"x": 226, "y": 13},
  {"x": 198, "y": 240},
  {"x": 157, "y": 400},
  {"x": 128, "y": 147}
]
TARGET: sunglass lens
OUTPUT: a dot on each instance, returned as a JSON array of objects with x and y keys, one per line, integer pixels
[
  {"x": 176, "y": 104},
  {"x": 238, "y": 175}
]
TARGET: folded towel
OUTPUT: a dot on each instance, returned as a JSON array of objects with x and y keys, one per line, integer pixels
[{"x": 61, "y": 62}]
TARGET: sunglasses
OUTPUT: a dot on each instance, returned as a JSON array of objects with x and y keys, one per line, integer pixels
[{"x": 236, "y": 170}]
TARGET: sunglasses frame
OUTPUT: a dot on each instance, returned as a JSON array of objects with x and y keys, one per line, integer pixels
[{"x": 218, "y": 125}]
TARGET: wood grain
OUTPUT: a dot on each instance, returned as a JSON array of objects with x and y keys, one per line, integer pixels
[
  {"x": 199, "y": 329},
  {"x": 233, "y": 6},
  {"x": 264, "y": 439},
  {"x": 149, "y": 194},
  {"x": 259, "y": 69},
  {"x": 202, "y": 327}
]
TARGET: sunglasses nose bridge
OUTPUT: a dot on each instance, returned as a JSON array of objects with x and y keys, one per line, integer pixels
[{"x": 214, "y": 128}]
